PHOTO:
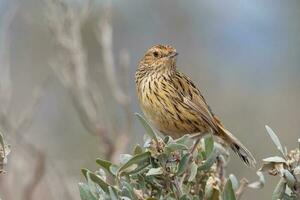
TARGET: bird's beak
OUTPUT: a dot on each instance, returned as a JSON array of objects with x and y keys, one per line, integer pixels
[{"x": 173, "y": 55}]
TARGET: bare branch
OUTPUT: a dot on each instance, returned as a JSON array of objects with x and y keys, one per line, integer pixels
[
  {"x": 24, "y": 122},
  {"x": 72, "y": 70},
  {"x": 243, "y": 185},
  {"x": 65, "y": 25},
  {"x": 5, "y": 77},
  {"x": 38, "y": 173},
  {"x": 105, "y": 40},
  {"x": 26, "y": 117}
]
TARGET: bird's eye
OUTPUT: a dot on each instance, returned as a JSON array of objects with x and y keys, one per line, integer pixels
[{"x": 155, "y": 54}]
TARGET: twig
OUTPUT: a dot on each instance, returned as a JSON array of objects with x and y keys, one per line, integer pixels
[
  {"x": 38, "y": 172},
  {"x": 221, "y": 169},
  {"x": 16, "y": 130},
  {"x": 243, "y": 185},
  {"x": 66, "y": 25},
  {"x": 5, "y": 80},
  {"x": 105, "y": 40}
]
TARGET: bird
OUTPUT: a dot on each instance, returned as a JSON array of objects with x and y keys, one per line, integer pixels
[{"x": 174, "y": 105}]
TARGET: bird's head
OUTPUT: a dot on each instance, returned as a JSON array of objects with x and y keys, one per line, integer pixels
[{"x": 160, "y": 57}]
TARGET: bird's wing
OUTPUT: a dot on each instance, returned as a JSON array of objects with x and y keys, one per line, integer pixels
[
  {"x": 201, "y": 108},
  {"x": 192, "y": 97}
]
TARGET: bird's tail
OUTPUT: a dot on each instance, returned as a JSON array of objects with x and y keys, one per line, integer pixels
[{"x": 236, "y": 146}]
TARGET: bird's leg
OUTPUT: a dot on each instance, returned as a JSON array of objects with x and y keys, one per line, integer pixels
[
  {"x": 198, "y": 137},
  {"x": 195, "y": 145}
]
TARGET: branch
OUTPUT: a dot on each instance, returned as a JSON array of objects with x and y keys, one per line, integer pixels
[
  {"x": 243, "y": 185},
  {"x": 72, "y": 67},
  {"x": 106, "y": 42},
  {"x": 5, "y": 80},
  {"x": 38, "y": 172}
]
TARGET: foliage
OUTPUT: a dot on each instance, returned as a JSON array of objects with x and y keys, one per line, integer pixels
[
  {"x": 4, "y": 151},
  {"x": 287, "y": 166},
  {"x": 170, "y": 169},
  {"x": 163, "y": 168}
]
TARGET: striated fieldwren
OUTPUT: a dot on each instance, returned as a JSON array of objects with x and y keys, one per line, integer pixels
[{"x": 174, "y": 105}]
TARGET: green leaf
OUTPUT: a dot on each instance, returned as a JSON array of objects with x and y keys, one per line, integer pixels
[
  {"x": 104, "y": 164},
  {"x": 183, "y": 163},
  {"x": 137, "y": 150},
  {"x": 155, "y": 171},
  {"x": 193, "y": 174},
  {"x": 84, "y": 172},
  {"x": 168, "y": 139},
  {"x": 176, "y": 147},
  {"x": 228, "y": 193},
  {"x": 209, "y": 161},
  {"x": 127, "y": 190},
  {"x": 85, "y": 193},
  {"x": 148, "y": 128},
  {"x": 124, "y": 158},
  {"x": 289, "y": 177},
  {"x": 211, "y": 193},
  {"x": 2, "y": 145},
  {"x": 275, "y": 140},
  {"x": 183, "y": 140},
  {"x": 234, "y": 181},
  {"x": 288, "y": 197},
  {"x": 279, "y": 190},
  {"x": 96, "y": 179},
  {"x": 184, "y": 197},
  {"x": 113, "y": 169},
  {"x": 209, "y": 145},
  {"x": 112, "y": 193},
  {"x": 136, "y": 163},
  {"x": 215, "y": 194}
]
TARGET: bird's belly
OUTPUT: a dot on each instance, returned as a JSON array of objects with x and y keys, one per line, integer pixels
[{"x": 171, "y": 123}]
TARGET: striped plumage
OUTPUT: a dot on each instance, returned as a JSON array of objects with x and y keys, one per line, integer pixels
[{"x": 174, "y": 105}]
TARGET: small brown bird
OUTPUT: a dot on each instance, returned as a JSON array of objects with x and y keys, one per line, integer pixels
[{"x": 174, "y": 105}]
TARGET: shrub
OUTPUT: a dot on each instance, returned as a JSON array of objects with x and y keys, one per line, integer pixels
[{"x": 165, "y": 168}]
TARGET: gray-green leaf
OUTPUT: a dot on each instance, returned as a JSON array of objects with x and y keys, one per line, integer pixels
[
  {"x": 176, "y": 146},
  {"x": 234, "y": 181},
  {"x": 137, "y": 150},
  {"x": 85, "y": 193},
  {"x": 183, "y": 163},
  {"x": 193, "y": 174},
  {"x": 124, "y": 158},
  {"x": 275, "y": 159},
  {"x": 209, "y": 161},
  {"x": 2, "y": 144},
  {"x": 96, "y": 179},
  {"x": 104, "y": 164},
  {"x": 260, "y": 183},
  {"x": 209, "y": 145},
  {"x": 155, "y": 171},
  {"x": 148, "y": 128},
  {"x": 228, "y": 193},
  {"x": 112, "y": 193},
  {"x": 290, "y": 179},
  {"x": 279, "y": 190},
  {"x": 275, "y": 139},
  {"x": 137, "y": 162},
  {"x": 297, "y": 170}
]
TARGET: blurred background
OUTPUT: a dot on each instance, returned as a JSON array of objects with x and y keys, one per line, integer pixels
[{"x": 67, "y": 88}]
